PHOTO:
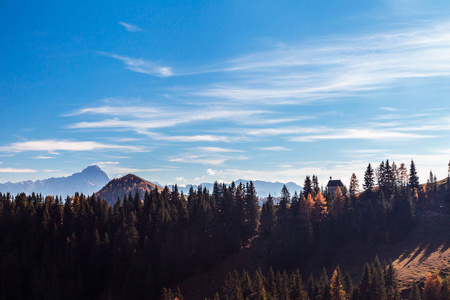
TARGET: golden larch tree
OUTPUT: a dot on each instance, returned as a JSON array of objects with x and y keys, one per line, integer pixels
[
  {"x": 320, "y": 207},
  {"x": 433, "y": 286},
  {"x": 337, "y": 290}
]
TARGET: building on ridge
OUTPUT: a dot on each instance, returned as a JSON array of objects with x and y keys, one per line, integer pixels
[{"x": 333, "y": 185}]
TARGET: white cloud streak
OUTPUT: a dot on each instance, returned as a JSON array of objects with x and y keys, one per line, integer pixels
[
  {"x": 361, "y": 134},
  {"x": 143, "y": 117},
  {"x": 130, "y": 27},
  {"x": 335, "y": 67},
  {"x": 12, "y": 170},
  {"x": 274, "y": 148},
  {"x": 140, "y": 65},
  {"x": 52, "y": 146},
  {"x": 216, "y": 150},
  {"x": 207, "y": 156}
]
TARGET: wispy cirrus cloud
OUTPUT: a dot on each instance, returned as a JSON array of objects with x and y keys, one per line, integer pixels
[
  {"x": 130, "y": 27},
  {"x": 13, "y": 170},
  {"x": 207, "y": 156},
  {"x": 388, "y": 108},
  {"x": 140, "y": 65},
  {"x": 104, "y": 163},
  {"x": 144, "y": 117},
  {"x": 274, "y": 148},
  {"x": 43, "y": 157},
  {"x": 335, "y": 67},
  {"x": 216, "y": 150},
  {"x": 361, "y": 134},
  {"x": 146, "y": 120},
  {"x": 53, "y": 146}
]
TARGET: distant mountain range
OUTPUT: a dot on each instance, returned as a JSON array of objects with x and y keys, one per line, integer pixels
[
  {"x": 94, "y": 180},
  {"x": 263, "y": 188},
  {"x": 88, "y": 181},
  {"x": 118, "y": 187}
]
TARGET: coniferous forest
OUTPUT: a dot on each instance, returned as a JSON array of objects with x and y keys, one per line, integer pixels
[{"x": 80, "y": 247}]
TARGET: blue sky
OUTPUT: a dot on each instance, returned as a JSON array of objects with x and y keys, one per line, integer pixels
[{"x": 196, "y": 91}]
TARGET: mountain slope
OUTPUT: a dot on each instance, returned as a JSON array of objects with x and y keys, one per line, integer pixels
[
  {"x": 87, "y": 182},
  {"x": 118, "y": 187}
]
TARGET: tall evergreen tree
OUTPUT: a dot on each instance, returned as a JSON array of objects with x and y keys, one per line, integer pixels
[
  {"x": 366, "y": 280},
  {"x": 268, "y": 217},
  {"x": 354, "y": 186},
  {"x": 252, "y": 208},
  {"x": 315, "y": 184},
  {"x": 414, "y": 293},
  {"x": 307, "y": 186},
  {"x": 402, "y": 175},
  {"x": 369, "y": 179},
  {"x": 413, "y": 178}
]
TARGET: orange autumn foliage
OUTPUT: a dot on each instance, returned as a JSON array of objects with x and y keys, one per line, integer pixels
[
  {"x": 433, "y": 286},
  {"x": 309, "y": 205},
  {"x": 320, "y": 210}
]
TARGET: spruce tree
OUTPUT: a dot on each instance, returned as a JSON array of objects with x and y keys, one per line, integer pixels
[
  {"x": 315, "y": 184},
  {"x": 268, "y": 217},
  {"x": 251, "y": 208},
  {"x": 354, "y": 186},
  {"x": 366, "y": 280},
  {"x": 414, "y": 294},
  {"x": 307, "y": 186},
  {"x": 369, "y": 180},
  {"x": 413, "y": 178},
  {"x": 324, "y": 286}
]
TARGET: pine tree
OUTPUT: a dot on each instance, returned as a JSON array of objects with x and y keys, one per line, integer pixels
[
  {"x": 381, "y": 175},
  {"x": 354, "y": 186},
  {"x": 271, "y": 285},
  {"x": 366, "y": 280},
  {"x": 413, "y": 178},
  {"x": 246, "y": 283},
  {"x": 324, "y": 286},
  {"x": 315, "y": 184},
  {"x": 298, "y": 291},
  {"x": 307, "y": 186},
  {"x": 258, "y": 286},
  {"x": 377, "y": 284},
  {"x": 285, "y": 196},
  {"x": 348, "y": 285},
  {"x": 282, "y": 212},
  {"x": 252, "y": 208},
  {"x": 311, "y": 287},
  {"x": 392, "y": 292},
  {"x": 338, "y": 204},
  {"x": 369, "y": 180},
  {"x": 414, "y": 294},
  {"x": 268, "y": 217},
  {"x": 402, "y": 175}
]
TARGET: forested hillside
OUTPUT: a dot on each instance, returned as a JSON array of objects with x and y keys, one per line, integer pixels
[{"x": 84, "y": 248}]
